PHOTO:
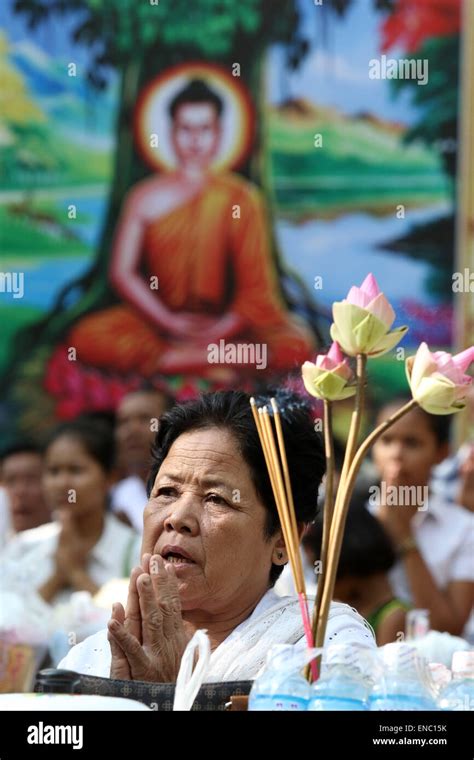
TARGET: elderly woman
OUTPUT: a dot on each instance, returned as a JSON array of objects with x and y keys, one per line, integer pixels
[{"x": 213, "y": 549}]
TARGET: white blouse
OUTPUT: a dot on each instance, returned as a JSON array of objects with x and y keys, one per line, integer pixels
[
  {"x": 27, "y": 562},
  {"x": 274, "y": 620}
]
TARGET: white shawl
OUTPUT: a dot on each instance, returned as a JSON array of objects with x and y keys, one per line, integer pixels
[{"x": 275, "y": 620}]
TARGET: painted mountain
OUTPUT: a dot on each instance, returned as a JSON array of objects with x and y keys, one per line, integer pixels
[
  {"x": 325, "y": 163},
  {"x": 54, "y": 128}
]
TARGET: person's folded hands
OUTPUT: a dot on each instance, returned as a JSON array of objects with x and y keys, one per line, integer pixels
[{"x": 147, "y": 640}]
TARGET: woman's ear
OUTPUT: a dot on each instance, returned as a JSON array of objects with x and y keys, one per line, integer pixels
[{"x": 279, "y": 554}]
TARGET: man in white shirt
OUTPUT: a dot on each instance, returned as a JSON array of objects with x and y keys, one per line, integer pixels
[
  {"x": 136, "y": 427},
  {"x": 21, "y": 476}
]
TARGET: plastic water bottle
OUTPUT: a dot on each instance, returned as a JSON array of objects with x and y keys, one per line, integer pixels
[
  {"x": 440, "y": 674},
  {"x": 403, "y": 682},
  {"x": 281, "y": 686},
  {"x": 417, "y": 624},
  {"x": 459, "y": 693},
  {"x": 341, "y": 685}
]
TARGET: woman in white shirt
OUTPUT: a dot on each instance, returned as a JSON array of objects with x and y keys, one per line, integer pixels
[
  {"x": 434, "y": 539},
  {"x": 86, "y": 545},
  {"x": 213, "y": 548}
]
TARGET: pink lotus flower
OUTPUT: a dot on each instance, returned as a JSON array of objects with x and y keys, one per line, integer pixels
[
  {"x": 438, "y": 381},
  {"x": 363, "y": 320},
  {"x": 330, "y": 377}
]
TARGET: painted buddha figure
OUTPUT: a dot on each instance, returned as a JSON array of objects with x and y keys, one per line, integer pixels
[{"x": 201, "y": 238}]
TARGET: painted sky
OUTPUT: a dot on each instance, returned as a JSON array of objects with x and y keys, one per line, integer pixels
[{"x": 335, "y": 71}]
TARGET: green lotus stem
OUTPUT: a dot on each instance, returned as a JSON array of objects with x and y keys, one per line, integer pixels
[
  {"x": 356, "y": 420},
  {"x": 328, "y": 511},
  {"x": 365, "y": 446},
  {"x": 339, "y": 520},
  {"x": 353, "y": 436}
]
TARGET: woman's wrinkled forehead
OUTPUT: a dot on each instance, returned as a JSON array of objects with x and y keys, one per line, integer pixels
[{"x": 203, "y": 454}]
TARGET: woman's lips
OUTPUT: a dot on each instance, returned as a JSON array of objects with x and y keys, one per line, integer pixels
[
  {"x": 176, "y": 550},
  {"x": 180, "y": 564},
  {"x": 178, "y": 557}
]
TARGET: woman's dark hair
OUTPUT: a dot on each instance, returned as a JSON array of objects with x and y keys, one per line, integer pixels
[
  {"x": 366, "y": 548},
  {"x": 95, "y": 435},
  {"x": 231, "y": 410},
  {"x": 439, "y": 424},
  {"x": 196, "y": 91}
]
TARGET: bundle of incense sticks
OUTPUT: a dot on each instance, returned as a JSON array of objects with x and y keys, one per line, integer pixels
[{"x": 277, "y": 466}]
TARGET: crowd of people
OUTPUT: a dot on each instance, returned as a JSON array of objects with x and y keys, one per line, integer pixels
[{"x": 72, "y": 517}]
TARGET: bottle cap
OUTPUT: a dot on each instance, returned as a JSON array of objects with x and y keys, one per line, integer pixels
[
  {"x": 463, "y": 662},
  {"x": 400, "y": 656},
  {"x": 440, "y": 674},
  {"x": 417, "y": 623},
  {"x": 342, "y": 654}
]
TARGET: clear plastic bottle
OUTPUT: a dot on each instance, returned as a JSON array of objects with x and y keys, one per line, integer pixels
[
  {"x": 403, "y": 681},
  {"x": 459, "y": 693},
  {"x": 417, "y": 624},
  {"x": 440, "y": 674},
  {"x": 341, "y": 685},
  {"x": 281, "y": 685}
]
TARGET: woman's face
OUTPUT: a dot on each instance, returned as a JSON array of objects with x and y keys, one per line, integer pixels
[
  {"x": 73, "y": 480},
  {"x": 406, "y": 452},
  {"x": 204, "y": 502}
]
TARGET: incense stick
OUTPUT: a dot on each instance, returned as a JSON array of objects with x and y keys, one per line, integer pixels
[
  {"x": 277, "y": 466},
  {"x": 280, "y": 496},
  {"x": 292, "y": 514}
]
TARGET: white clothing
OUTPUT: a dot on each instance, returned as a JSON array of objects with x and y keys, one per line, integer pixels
[
  {"x": 285, "y": 585},
  {"x": 445, "y": 477},
  {"x": 444, "y": 534},
  {"x": 130, "y": 497},
  {"x": 5, "y": 523},
  {"x": 242, "y": 654},
  {"x": 28, "y": 560}
]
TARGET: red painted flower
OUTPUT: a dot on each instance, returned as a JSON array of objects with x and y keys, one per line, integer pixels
[
  {"x": 413, "y": 21},
  {"x": 78, "y": 389}
]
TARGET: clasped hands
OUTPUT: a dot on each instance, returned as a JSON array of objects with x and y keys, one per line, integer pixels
[{"x": 148, "y": 638}]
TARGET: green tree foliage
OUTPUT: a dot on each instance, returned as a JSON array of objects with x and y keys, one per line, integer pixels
[
  {"x": 437, "y": 100},
  {"x": 437, "y": 103},
  {"x": 119, "y": 30}
]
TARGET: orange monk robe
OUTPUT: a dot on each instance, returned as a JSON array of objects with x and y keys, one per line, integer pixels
[{"x": 211, "y": 255}]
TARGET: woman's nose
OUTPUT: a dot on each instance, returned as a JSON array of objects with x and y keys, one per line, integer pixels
[
  {"x": 396, "y": 452},
  {"x": 61, "y": 483},
  {"x": 181, "y": 517}
]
